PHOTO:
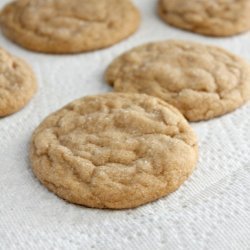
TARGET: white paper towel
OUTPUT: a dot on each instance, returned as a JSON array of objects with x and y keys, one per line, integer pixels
[{"x": 210, "y": 211}]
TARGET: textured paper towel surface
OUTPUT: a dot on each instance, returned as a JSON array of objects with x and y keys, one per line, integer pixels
[{"x": 210, "y": 211}]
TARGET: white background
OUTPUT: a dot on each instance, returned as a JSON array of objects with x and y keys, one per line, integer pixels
[{"x": 210, "y": 211}]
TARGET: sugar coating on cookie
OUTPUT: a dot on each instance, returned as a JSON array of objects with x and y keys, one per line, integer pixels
[
  {"x": 202, "y": 81},
  {"x": 208, "y": 17},
  {"x": 17, "y": 83},
  {"x": 114, "y": 150},
  {"x": 63, "y": 26}
]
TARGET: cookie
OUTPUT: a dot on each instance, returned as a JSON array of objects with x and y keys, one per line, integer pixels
[
  {"x": 202, "y": 81},
  {"x": 63, "y": 26},
  {"x": 115, "y": 150},
  {"x": 207, "y": 17},
  {"x": 17, "y": 83}
]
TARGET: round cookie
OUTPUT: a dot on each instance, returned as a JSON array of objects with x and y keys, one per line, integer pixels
[
  {"x": 63, "y": 26},
  {"x": 114, "y": 150},
  {"x": 202, "y": 81},
  {"x": 207, "y": 17},
  {"x": 17, "y": 83}
]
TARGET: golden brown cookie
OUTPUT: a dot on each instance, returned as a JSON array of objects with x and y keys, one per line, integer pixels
[
  {"x": 207, "y": 17},
  {"x": 17, "y": 83},
  {"x": 201, "y": 81},
  {"x": 114, "y": 150},
  {"x": 68, "y": 26}
]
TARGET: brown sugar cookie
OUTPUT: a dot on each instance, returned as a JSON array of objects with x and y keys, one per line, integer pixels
[
  {"x": 17, "y": 83},
  {"x": 202, "y": 81},
  {"x": 114, "y": 150},
  {"x": 63, "y": 26},
  {"x": 207, "y": 17}
]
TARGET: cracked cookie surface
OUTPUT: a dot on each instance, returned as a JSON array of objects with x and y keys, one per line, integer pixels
[
  {"x": 213, "y": 17},
  {"x": 63, "y": 26},
  {"x": 17, "y": 83},
  {"x": 202, "y": 81},
  {"x": 114, "y": 150}
]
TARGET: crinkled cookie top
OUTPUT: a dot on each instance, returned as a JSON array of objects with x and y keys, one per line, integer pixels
[
  {"x": 201, "y": 81},
  {"x": 114, "y": 150},
  {"x": 17, "y": 83},
  {"x": 68, "y": 26},
  {"x": 208, "y": 17}
]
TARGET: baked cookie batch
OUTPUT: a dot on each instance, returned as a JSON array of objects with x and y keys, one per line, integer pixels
[{"x": 133, "y": 146}]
